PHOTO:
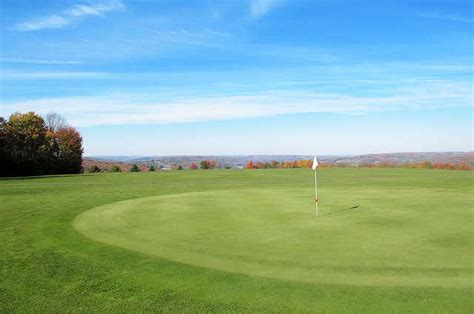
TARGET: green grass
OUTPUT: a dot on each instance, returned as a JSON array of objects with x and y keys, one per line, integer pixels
[{"x": 388, "y": 240}]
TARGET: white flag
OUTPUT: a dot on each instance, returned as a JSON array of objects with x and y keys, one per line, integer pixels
[{"x": 315, "y": 163}]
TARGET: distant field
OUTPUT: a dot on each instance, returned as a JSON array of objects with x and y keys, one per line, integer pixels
[{"x": 388, "y": 240}]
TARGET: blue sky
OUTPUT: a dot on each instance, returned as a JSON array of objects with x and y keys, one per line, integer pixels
[{"x": 169, "y": 77}]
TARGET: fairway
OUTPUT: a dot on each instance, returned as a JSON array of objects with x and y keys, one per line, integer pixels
[{"x": 387, "y": 240}]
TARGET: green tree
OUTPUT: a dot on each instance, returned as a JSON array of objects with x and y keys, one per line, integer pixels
[
  {"x": 151, "y": 168},
  {"x": 115, "y": 168},
  {"x": 94, "y": 169},
  {"x": 4, "y": 160},
  {"x": 135, "y": 168},
  {"x": 26, "y": 144}
]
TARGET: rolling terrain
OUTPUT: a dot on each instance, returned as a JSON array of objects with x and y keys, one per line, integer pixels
[{"x": 239, "y": 161}]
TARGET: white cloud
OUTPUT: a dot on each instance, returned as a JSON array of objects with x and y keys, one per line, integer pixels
[
  {"x": 16, "y": 75},
  {"x": 96, "y": 9},
  {"x": 70, "y": 15},
  {"x": 37, "y": 61},
  {"x": 52, "y": 21},
  {"x": 260, "y": 8},
  {"x": 122, "y": 109}
]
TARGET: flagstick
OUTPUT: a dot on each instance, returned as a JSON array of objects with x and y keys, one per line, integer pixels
[{"x": 316, "y": 196}]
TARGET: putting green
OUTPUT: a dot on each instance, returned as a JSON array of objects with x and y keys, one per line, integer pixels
[{"x": 273, "y": 233}]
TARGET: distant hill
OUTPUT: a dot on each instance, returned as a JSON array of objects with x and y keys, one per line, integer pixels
[
  {"x": 239, "y": 161},
  {"x": 116, "y": 158},
  {"x": 403, "y": 158}
]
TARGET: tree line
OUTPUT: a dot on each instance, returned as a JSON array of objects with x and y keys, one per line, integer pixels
[
  {"x": 95, "y": 166},
  {"x": 276, "y": 164},
  {"x": 33, "y": 145},
  {"x": 91, "y": 166},
  {"x": 308, "y": 164}
]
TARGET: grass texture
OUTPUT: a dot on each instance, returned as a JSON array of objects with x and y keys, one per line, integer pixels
[{"x": 387, "y": 240}]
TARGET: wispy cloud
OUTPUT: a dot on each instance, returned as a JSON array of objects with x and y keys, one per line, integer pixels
[
  {"x": 37, "y": 61},
  {"x": 70, "y": 15},
  {"x": 447, "y": 17},
  {"x": 18, "y": 75},
  {"x": 121, "y": 109},
  {"x": 259, "y": 8},
  {"x": 184, "y": 37}
]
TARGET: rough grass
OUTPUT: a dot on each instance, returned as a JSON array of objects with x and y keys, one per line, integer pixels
[{"x": 248, "y": 242}]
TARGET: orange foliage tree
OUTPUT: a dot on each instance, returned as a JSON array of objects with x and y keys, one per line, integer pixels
[{"x": 249, "y": 165}]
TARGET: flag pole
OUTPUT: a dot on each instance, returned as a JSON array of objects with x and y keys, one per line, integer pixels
[{"x": 316, "y": 196}]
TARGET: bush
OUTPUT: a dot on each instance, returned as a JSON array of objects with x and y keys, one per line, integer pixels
[
  {"x": 115, "y": 168},
  {"x": 135, "y": 168},
  {"x": 208, "y": 164},
  {"x": 94, "y": 169}
]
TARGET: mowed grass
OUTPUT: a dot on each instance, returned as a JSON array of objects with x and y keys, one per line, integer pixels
[{"x": 388, "y": 240}]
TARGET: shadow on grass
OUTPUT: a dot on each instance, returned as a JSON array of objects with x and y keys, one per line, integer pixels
[
  {"x": 46, "y": 176},
  {"x": 338, "y": 211}
]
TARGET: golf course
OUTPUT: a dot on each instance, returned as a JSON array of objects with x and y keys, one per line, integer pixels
[{"x": 386, "y": 240}]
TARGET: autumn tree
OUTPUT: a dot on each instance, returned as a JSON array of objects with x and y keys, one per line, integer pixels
[
  {"x": 307, "y": 163},
  {"x": 249, "y": 165},
  {"x": 208, "y": 164},
  {"x": 193, "y": 166},
  {"x": 28, "y": 146},
  {"x": 69, "y": 158}
]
